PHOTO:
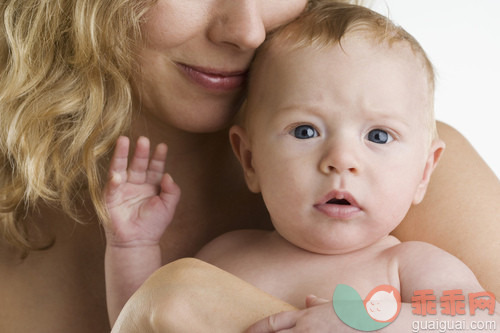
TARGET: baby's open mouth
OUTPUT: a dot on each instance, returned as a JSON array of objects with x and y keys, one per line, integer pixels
[
  {"x": 339, "y": 202},
  {"x": 339, "y": 205}
]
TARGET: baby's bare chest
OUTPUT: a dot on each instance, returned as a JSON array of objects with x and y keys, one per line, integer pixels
[
  {"x": 294, "y": 277},
  {"x": 322, "y": 281}
]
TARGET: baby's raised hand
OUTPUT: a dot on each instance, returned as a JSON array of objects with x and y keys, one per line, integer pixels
[{"x": 140, "y": 197}]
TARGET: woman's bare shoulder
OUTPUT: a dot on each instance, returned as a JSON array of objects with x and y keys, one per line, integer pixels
[{"x": 58, "y": 287}]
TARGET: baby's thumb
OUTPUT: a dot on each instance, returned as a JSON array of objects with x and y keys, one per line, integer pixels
[
  {"x": 170, "y": 191},
  {"x": 313, "y": 300}
]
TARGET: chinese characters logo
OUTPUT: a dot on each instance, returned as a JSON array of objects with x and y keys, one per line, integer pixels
[{"x": 452, "y": 302}]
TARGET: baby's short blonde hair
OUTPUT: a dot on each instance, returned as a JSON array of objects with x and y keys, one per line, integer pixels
[{"x": 327, "y": 22}]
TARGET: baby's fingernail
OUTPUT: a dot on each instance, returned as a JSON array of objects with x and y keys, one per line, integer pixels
[{"x": 169, "y": 178}]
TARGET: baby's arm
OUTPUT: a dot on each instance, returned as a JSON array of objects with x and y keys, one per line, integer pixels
[
  {"x": 425, "y": 267},
  {"x": 141, "y": 202}
]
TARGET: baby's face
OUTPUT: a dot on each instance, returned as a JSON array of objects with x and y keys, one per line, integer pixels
[{"x": 338, "y": 139}]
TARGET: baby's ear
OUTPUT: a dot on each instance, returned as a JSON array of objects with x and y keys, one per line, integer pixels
[
  {"x": 435, "y": 152},
  {"x": 242, "y": 149}
]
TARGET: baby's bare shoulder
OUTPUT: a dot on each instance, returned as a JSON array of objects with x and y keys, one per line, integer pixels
[
  {"x": 417, "y": 255},
  {"x": 424, "y": 266},
  {"x": 416, "y": 248}
]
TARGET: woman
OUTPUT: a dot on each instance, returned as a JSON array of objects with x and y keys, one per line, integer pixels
[{"x": 74, "y": 75}]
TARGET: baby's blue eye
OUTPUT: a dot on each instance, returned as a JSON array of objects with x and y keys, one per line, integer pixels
[
  {"x": 304, "y": 132},
  {"x": 379, "y": 136}
]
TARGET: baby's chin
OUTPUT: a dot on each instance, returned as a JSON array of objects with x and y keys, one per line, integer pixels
[{"x": 331, "y": 248}]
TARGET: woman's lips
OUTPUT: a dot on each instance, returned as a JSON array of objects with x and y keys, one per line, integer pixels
[{"x": 213, "y": 79}]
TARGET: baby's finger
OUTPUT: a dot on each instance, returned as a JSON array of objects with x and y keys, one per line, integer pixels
[
  {"x": 119, "y": 161},
  {"x": 313, "y": 300},
  {"x": 139, "y": 163},
  {"x": 111, "y": 190},
  {"x": 170, "y": 191},
  {"x": 157, "y": 164},
  {"x": 276, "y": 322}
]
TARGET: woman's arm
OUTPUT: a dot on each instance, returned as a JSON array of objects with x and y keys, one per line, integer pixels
[
  {"x": 460, "y": 211},
  {"x": 189, "y": 295}
]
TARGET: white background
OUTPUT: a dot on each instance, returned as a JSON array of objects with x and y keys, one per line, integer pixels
[{"x": 462, "y": 39}]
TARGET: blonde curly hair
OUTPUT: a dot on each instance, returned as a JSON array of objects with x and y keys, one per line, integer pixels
[{"x": 65, "y": 97}]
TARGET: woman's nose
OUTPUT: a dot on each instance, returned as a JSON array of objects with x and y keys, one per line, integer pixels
[
  {"x": 339, "y": 158},
  {"x": 238, "y": 23}
]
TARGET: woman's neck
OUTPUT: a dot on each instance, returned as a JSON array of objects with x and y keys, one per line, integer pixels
[{"x": 188, "y": 152}]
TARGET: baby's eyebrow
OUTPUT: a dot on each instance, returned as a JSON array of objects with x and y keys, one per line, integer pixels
[
  {"x": 385, "y": 113},
  {"x": 302, "y": 108}
]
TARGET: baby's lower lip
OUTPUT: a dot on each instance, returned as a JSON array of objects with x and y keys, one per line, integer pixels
[
  {"x": 341, "y": 212},
  {"x": 213, "y": 81}
]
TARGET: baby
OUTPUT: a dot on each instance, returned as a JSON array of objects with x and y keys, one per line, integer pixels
[{"x": 338, "y": 135}]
